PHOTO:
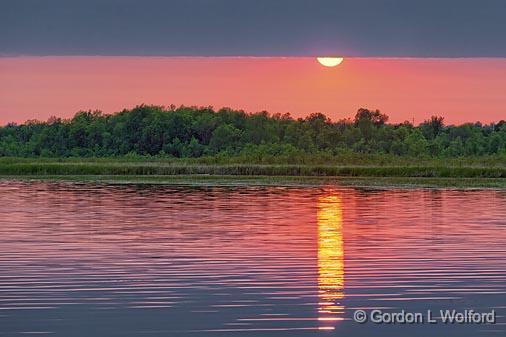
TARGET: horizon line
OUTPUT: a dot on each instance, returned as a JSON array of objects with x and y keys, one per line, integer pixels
[
  {"x": 407, "y": 57},
  {"x": 216, "y": 110}
]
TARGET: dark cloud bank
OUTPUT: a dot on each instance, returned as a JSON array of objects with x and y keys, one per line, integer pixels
[{"x": 398, "y": 28}]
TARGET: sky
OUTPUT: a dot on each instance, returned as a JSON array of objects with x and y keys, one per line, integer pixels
[
  {"x": 408, "y": 58},
  {"x": 461, "y": 90},
  {"x": 365, "y": 28}
]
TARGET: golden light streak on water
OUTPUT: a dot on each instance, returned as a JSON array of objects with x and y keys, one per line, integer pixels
[{"x": 330, "y": 258}]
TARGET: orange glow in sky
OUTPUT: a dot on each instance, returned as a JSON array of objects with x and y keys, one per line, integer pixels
[{"x": 461, "y": 90}]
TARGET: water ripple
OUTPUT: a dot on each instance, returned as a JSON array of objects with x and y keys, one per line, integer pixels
[{"x": 214, "y": 261}]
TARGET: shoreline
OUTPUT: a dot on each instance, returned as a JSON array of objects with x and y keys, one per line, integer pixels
[
  {"x": 235, "y": 180},
  {"x": 415, "y": 173}
]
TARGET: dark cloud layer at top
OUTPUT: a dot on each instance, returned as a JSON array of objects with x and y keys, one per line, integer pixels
[{"x": 418, "y": 28}]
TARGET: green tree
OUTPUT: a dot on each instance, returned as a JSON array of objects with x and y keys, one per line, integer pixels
[
  {"x": 433, "y": 127},
  {"x": 225, "y": 137},
  {"x": 417, "y": 144}
]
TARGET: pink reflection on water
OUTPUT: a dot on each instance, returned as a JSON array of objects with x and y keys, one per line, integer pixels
[{"x": 255, "y": 258}]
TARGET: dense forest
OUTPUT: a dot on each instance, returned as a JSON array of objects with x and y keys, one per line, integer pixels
[{"x": 185, "y": 132}]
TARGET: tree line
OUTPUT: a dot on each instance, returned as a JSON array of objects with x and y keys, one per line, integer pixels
[{"x": 185, "y": 132}]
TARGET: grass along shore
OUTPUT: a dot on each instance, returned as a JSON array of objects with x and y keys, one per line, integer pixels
[
  {"x": 373, "y": 172},
  {"x": 168, "y": 167}
]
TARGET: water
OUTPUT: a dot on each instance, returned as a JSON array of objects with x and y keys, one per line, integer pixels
[{"x": 105, "y": 260}]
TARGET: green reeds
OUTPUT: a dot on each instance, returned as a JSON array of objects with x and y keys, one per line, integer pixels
[{"x": 120, "y": 167}]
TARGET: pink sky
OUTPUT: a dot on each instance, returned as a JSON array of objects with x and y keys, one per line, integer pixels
[{"x": 461, "y": 90}]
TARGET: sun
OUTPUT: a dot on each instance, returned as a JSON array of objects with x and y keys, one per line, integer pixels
[{"x": 330, "y": 61}]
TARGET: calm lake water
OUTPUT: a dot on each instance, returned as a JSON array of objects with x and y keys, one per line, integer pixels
[{"x": 127, "y": 260}]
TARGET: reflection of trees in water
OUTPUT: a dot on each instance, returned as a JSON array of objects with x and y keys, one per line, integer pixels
[{"x": 330, "y": 258}]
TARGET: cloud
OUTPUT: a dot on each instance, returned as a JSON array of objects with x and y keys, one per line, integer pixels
[{"x": 390, "y": 28}]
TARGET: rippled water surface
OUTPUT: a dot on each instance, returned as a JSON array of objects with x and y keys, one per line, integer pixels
[{"x": 105, "y": 260}]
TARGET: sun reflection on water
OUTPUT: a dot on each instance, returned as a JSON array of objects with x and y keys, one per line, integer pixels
[{"x": 330, "y": 258}]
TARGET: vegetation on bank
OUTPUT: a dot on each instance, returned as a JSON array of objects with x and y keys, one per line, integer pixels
[
  {"x": 160, "y": 142},
  {"x": 378, "y": 167},
  {"x": 228, "y": 135}
]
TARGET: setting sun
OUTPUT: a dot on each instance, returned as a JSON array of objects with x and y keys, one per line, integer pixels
[{"x": 330, "y": 61}]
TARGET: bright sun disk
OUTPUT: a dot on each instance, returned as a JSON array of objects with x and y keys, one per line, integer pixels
[{"x": 330, "y": 61}]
